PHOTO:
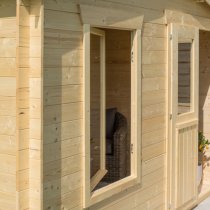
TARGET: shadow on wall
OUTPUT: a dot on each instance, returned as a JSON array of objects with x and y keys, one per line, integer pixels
[{"x": 62, "y": 111}]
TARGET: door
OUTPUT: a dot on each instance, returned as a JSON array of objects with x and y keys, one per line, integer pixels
[{"x": 183, "y": 115}]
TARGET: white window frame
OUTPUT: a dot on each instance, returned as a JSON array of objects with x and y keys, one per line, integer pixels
[{"x": 91, "y": 198}]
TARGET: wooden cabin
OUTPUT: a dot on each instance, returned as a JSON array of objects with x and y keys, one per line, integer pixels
[{"x": 101, "y": 102}]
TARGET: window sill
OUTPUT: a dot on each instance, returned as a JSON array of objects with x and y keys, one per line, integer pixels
[{"x": 113, "y": 189}]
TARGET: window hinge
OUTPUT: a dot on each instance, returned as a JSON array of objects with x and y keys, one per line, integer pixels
[
  {"x": 132, "y": 57},
  {"x": 171, "y": 36},
  {"x": 170, "y": 116},
  {"x": 131, "y": 148}
]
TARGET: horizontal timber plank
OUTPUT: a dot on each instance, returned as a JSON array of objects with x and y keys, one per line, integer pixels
[
  {"x": 63, "y": 112},
  {"x": 154, "y": 57},
  {"x": 8, "y": 145},
  {"x": 153, "y": 84},
  {"x": 153, "y": 97},
  {"x": 7, "y": 201},
  {"x": 69, "y": 200},
  {"x": 7, "y": 47},
  {"x": 154, "y": 30},
  {"x": 62, "y": 94},
  {"x": 62, "y": 167},
  {"x": 7, "y": 106},
  {"x": 7, "y": 86},
  {"x": 66, "y": 184},
  {"x": 63, "y": 76},
  {"x": 153, "y": 44},
  {"x": 62, "y": 149},
  {"x": 153, "y": 137},
  {"x": 63, "y": 57},
  {"x": 153, "y": 150},
  {"x": 62, "y": 5},
  {"x": 8, "y": 183},
  {"x": 8, "y": 164},
  {"x": 70, "y": 129},
  {"x": 154, "y": 110},
  {"x": 51, "y": 20},
  {"x": 7, "y": 125},
  {"x": 7, "y": 67},
  {"x": 149, "y": 125},
  {"x": 153, "y": 164}
]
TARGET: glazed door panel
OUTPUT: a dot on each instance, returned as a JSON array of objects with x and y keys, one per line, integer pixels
[{"x": 183, "y": 115}]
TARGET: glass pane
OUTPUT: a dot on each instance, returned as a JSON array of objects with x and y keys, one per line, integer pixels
[
  {"x": 95, "y": 104},
  {"x": 184, "y": 77}
]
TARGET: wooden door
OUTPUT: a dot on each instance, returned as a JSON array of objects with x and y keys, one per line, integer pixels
[{"x": 183, "y": 115}]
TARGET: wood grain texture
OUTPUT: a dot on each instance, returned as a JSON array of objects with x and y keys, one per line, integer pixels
[{"x": 63, "y": 91}]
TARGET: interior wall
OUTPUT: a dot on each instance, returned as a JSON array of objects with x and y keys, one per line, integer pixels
[
  {"x": 118, "y": 78},
  {"x": 204, "y": 84},
  {"x": 8, "y": 115},
  {"x": 118, "y": 71},
  {"x": 95, "y": 105},
  {"x": 204, "y": 99}
]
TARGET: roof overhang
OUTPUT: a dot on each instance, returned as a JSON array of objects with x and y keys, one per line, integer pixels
[{"x": 207, "y": 1}]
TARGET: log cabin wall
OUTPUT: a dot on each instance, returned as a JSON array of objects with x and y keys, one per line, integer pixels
[
  {"x": 22, "y": 104},
  {"x": 63, "y": 100},
  {"x": 62, "y": 106},
  {"x": 53, "y": 114},
  {"x": 63, "y": 112},
  {"x": 20, "y": 89},
  {"x": 8, "y": 34},
  {"x": 36, "y": 20}
]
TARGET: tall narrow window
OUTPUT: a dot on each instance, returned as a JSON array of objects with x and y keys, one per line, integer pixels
[
  {"x": 110, "y": 106},
  {"x": 112, "y": 112},
  {"x": 184, "y": 77}
]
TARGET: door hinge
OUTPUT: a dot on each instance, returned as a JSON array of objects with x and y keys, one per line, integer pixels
[
  {"x": 170, "y": 116},
  {"x": 171, "y": 36},
  {"x": 131, "y": 148}
]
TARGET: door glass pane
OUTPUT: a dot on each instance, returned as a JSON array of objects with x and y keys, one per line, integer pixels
[{"x": 184, "y": 77}]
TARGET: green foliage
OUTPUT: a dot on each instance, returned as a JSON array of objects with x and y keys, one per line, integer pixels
[{"x": 202, "y": 142}]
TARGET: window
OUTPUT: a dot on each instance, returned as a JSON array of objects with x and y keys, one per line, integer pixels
[{"x": 112, "y": 112}]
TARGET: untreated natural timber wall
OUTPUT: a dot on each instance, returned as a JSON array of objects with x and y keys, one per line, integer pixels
[
  {"x": 41, "y": 99},
  {"x": 63, "y": 101},
  {"x": 8, "y": 143}
]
